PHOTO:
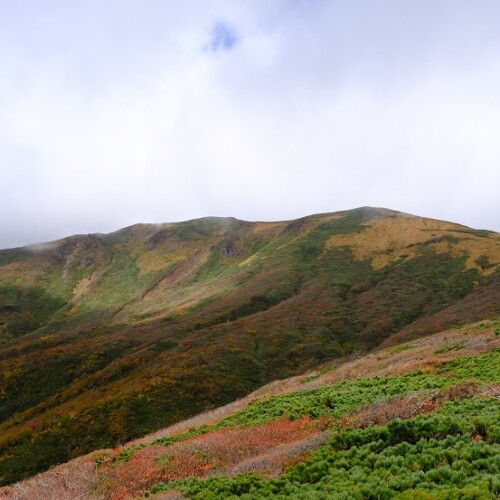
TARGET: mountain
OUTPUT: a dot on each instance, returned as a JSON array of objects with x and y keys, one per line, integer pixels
[
  {"x": 104, "y": 338},
  {"x": 416, "y": 421}
]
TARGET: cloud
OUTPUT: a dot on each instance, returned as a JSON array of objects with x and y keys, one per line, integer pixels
[{"x": 122, "y": 117}]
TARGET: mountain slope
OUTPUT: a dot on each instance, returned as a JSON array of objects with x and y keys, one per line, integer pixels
[
  {"x": 107, "y": 337},
  {"x": 311, "y": 435}
]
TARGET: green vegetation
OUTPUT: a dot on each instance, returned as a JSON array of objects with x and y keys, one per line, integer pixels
[
  {"x": 452, "y": 454},
  {"x": 347, "y": 396},
  {"x": 482, "y": 233},
  {"x": 452, "y": 345},
  {"x": 403, "y": 347},
  {"x": 106, "y": 338},
  {"x": 484, "y": 368},
  {"x": 493, "y": 324},
  {"x": 484, "y": 262},
  {"x": 331, "y": 401},
  {"x": 24, "y": 309},
  {"x": 334, "y": 401}
]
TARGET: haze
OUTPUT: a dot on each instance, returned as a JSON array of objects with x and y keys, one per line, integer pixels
[{"x": 116, "y": 112}]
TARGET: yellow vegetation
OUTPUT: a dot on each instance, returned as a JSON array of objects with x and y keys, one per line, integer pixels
[{"x": 388, "y": 239}]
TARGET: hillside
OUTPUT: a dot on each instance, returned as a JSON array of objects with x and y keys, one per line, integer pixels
[
  {"x": 105, "y": 338},
  {"x": 415, "y": 421}
]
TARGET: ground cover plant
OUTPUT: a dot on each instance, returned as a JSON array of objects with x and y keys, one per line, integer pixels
[
  {"x": 300, "y": 436},
  {"x": 330, "y": 407},
  {"x": 452, "y": 454}
]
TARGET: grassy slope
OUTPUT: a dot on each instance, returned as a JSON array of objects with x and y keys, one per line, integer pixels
[
  {"x": 419, "y": 420},
  {"x": 106, "y": 338}
]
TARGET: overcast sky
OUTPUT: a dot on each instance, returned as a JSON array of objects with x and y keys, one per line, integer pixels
[{"x": 114, "y": 112}]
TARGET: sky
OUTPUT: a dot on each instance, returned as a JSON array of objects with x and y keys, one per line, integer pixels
[{"x": 115, "y": 112}]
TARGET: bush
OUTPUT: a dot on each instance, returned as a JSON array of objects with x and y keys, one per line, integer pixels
[{"x": 432, "y": 456}]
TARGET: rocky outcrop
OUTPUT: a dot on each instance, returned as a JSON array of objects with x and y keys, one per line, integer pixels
[
  {"x": 228, "y": 249},
  {"x": 294, "y": 226}
]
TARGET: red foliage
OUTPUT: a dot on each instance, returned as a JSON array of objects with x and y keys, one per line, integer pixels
[{"x": 200, "y": 456}]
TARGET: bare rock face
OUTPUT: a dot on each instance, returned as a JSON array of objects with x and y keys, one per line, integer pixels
[
  {"x": 79, "y": 252},
  {"x": 87, "y": 261},
  {"x": 68, "y": 248},
  {"x": 229, "y": 250},
  {"x": 161, "y": 237},
  {"x": 90, "y": 242},
  {"x": 295, "y": 226},
  {"x": 156, "y": 239}
]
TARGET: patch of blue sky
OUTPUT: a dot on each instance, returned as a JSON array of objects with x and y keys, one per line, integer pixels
[{"x": 223, "y": 37}]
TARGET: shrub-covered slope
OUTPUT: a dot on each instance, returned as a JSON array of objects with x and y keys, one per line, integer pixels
[
  {"x": 419, "y": 420},
  {"x": 107, "y": 337}
]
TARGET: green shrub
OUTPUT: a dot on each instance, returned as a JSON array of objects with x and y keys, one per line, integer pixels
[{"x": 439, "y": 456}]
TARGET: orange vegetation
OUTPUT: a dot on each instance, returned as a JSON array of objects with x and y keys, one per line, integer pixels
[{"x": 214, "y": 452}]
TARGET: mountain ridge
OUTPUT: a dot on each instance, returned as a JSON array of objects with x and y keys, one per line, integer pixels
[
  {"x": 41, "y": 245},
  {"x": 104, "y": 338}
]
